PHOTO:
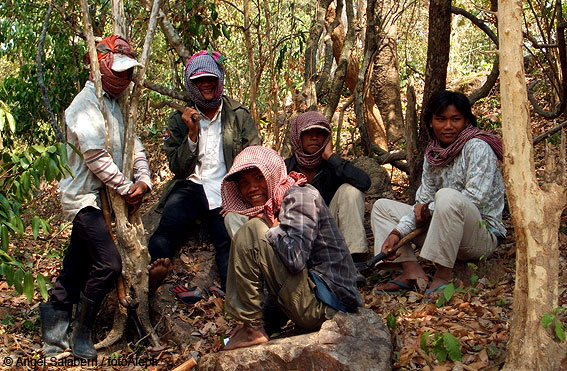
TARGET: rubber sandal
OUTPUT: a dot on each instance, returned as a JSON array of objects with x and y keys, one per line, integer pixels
[
  {"x": 188, "y": 296},
  {"x": 401, "y": 286},
  {"x": 456, "y": 284},
  {"x": 215, "y": 291}
]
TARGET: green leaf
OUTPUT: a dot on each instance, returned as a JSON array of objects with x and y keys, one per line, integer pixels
[
  {"x": 51, "y": 169},
  {"x": 440, "y": 352},
  {"x": 391, "y": 322},
  {"x": 26, "y": 181},
  {"x": 28, "y": 286},
  {"x": 559, "y": 330},
  {"x": 9, "y": 274},
  {"x": 448, "y": 291},
  {"x": 423, "y": 341},
  {"x": 440, "y": 301},
  {"x": 51, "y": 149},
  {"x": 225, "y": 31},
  {"x": 474, "y": 279},
  {"x": 18, "y": 278},
  {"x": 547, "y": 319},
  {"x": 45, "y": 226},
  {"x": 36, "y": 221},
  {"x": 5, "y": 237},
  {"x": 453, "y": 346},
  {"x": 39, "y": 148},
  {"x": 41, "y": 284}
]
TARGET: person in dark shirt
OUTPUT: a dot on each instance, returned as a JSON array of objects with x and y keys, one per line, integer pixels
[
  {"x": 340, "y": 183},
  {"x": 290, "y": 245}
]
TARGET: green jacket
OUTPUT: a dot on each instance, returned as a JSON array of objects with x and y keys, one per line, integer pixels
[{"x": 238, "y": 132}]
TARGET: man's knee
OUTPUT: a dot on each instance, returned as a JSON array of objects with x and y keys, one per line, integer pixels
[
  {"x": 448, "y": 200},
  {"x": 253, "y": 230},
  {"x": 113, "y": 265},
  {"x": 349, "y": 193}
]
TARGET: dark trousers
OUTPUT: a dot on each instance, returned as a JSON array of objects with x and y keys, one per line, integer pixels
[
  {"x": 92, "y": 263},
  {"x": 186, "y": 204}
]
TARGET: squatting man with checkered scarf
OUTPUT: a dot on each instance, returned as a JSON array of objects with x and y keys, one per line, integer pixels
[{"x": 290, "y": 246}]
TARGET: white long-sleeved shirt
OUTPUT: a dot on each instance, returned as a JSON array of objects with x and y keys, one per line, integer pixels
[{"x": 210, "y": 168}]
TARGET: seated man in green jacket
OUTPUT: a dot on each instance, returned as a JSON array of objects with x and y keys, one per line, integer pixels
[{"x": 200, "y": 152}]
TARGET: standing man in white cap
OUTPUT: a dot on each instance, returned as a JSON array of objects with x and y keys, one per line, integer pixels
[
  {"x": 200, "y": 144},
  {"x": 92, "y": 263}
]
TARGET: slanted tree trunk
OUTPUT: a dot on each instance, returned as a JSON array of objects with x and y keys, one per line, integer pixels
[
  {"x": 535, "y": 210},
  {"x": 385, "y": 80},
  {"x": 438, "y": 44},
  {"x": 129, "y": 230}
]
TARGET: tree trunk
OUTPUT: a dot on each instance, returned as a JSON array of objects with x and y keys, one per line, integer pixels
[
  {"x": 338, "y": 38},
  {"x": 251, "y": 66},
  {"x": 129, "y": 232},
  {"x": 411, "y": 132},
  {"x": 342, "y": 64},
  {"x": 385, "y": 81},
  {"x": 438, "y": 45},
  {"x": 535, "y": 211}
]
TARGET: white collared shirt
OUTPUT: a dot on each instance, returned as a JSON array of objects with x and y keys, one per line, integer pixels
[{"x": 210, "y": 168}]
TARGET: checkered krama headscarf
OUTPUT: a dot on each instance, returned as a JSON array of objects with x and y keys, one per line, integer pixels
[
  {"x": 303, "y": 122},
  {"x": 204, "y": 62},
  {"x": 272, "y": 166}
]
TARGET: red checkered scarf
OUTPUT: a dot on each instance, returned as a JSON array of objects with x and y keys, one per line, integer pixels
[
  {"x": 439, "y": 156},
  {"x": 273, "y": 168},
  {"x": 105, "y": 50},
  {"x": 304, "y": 122}
]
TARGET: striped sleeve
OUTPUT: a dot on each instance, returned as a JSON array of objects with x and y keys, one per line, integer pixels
[
  {"x": 141, "y": 167},
  {"x": 101, "y": 164}
]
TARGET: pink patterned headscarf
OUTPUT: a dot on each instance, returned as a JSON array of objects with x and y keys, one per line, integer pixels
[
  {"x": 303, "y": 122},
  {"x": 272, "y": 166},
  {"x": 439, "y": 156},
  {"x": 204, "y": 63}
]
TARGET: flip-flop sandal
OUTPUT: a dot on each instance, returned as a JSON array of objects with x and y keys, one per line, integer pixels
[
  {"x": 215, "y": 291},
  {"x": 401, "y": 286},
  {"x": 188, "y": 296},
  {"x": 456, "y": 284}
]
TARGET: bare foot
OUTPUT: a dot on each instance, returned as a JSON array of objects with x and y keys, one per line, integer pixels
[
  {"x": 159, "y": 269},
  {"x": 245, "y": 336}
]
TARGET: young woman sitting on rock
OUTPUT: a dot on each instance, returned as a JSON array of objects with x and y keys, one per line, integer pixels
[
  {"x": 291, "y": 245},
  {"x": 461, "y": 197}
]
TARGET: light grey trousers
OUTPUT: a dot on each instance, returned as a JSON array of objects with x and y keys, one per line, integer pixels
[
  {"x": 347, "y": 208},
  {"x": 456, "y": 231}
]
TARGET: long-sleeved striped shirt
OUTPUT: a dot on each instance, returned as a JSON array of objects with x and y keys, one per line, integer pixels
[
  {"x": 309, "y": 238},
  {"x": 86, "y": 131}
]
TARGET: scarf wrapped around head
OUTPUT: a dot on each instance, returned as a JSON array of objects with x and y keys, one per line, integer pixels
[
  {"x": 112, "y": 84},
  {"x": 439, "y": 156},
  {"x": 204, "y": 62},
  {"x": 272, "y": 166},
  {"x": 303, "y": 122}
]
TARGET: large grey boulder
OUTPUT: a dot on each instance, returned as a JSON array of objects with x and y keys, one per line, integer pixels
[
  {"x": 381, "y": 186},
  {"x": 348, "y": 342}
]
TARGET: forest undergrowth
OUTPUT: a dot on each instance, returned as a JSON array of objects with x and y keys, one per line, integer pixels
[{"x": 464, "y": 328}]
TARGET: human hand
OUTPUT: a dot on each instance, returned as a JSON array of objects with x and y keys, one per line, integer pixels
[
  {"x": 422, "y": 214},
  {"x": 388, "y": 247},
  {"x": 134, "y": 196},
  {"x": 191, "y": 118},
  {"x": 328, "y": 150}
]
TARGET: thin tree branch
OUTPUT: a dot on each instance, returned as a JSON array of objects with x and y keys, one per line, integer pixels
[
  {"x": 42, "y": 87},
  {"x": 181, "y": 95},
  {"x": 550, "y": 132}
]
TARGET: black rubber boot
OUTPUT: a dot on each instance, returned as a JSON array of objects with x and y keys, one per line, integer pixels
[
  {"x": 55, "y": 322},
  {"x": 81, "y": 340}
]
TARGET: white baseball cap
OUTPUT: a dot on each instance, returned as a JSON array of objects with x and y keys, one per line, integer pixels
[
  {"x": 198, "y": 75},
  {"x": 122, "y": 62}
]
